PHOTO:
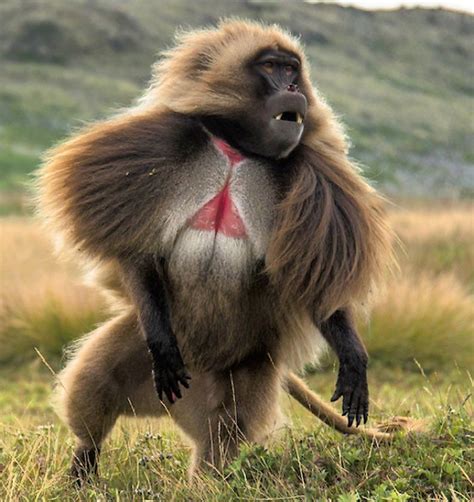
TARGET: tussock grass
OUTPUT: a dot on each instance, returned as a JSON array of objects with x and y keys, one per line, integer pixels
[
  {"x": 147, "y": 460},
  {"x": 48, "y": 321},
  {"x": 426, "y": 313},
  {"x": 437, "y": 238},
  {"x": 423, "y": 222},
  {"x": 42, "y": 303},
  {"x": 425, "y": 318}
]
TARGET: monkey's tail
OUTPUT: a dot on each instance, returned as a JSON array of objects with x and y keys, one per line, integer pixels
[{"x": 299, "y": 390}]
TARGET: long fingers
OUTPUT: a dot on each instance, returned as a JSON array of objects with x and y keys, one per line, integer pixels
[
  {"x": 337, "y": 394},
  {"x": 355, "y": 404},
  {"x": 168, "y": 382},
  {"x": 183, "y": 376},
  {"x": 358, "y": 407}
]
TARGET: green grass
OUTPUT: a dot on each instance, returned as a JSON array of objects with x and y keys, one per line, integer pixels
[
  {"x": 401, "y": 81},
  {"x": 40, "y": 104},
  {"x": 419, "y": 337},
  {"x": 147, "y": 460}
]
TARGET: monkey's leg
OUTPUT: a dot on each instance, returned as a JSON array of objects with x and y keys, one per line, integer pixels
[
  {"x": 109, "y": 369},
  {"x": 220, "y": 410}
]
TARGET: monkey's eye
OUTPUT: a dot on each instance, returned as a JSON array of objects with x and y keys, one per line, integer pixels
[
  {"x": 268, "y": 66},
  {"x": 289, "y": 69}
]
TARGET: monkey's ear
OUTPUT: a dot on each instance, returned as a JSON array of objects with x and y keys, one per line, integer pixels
[
  {"x": 102, "y": 189},
  {"x": 331, "y": 242}
]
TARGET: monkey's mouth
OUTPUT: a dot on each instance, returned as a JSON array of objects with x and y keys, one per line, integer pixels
[
  {"x": 288, "y": 110},
  {"x": 290, "y": 117}
]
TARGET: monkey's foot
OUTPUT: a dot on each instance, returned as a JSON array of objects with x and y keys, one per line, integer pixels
[{"x": 84, "y": 465}]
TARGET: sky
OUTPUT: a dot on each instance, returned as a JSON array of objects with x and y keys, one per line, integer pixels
[{"x": 464, "y": 5}]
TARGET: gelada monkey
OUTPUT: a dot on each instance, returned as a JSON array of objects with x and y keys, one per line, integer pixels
[{"x": 224, "y": 219}]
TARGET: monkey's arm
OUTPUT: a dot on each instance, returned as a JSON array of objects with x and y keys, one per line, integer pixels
[
  {"x": 146, "y": 285},
  {"x": 340, "y": 333},
  {"x": 299, "y": 390}
]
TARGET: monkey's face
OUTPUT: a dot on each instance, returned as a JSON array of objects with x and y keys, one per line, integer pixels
[
  {"x": 271, "y": 123},
  {"x": 248, "y": 83},
  {"x": 276, "y": 123}
]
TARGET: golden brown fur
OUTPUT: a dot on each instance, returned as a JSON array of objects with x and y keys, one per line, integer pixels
[
  {"x": 329, "y": 205},
  {"x": 349, "y": 243},
  {"x": 106, "y": 192},
  {"x": 110, "y": 375},
  {"x": 341, "y": 221}
]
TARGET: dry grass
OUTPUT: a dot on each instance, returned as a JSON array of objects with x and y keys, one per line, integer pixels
[
  {"x": 43, "y": 303},
  {"x": 426, "y": 318},
  {"x": 437, "y": 238},
  {"x": 426, "y": 314},
  {"x": 424, "y": 222}
]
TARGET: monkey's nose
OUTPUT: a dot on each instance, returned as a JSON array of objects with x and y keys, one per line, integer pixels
[{"x": 292, "y": 88}]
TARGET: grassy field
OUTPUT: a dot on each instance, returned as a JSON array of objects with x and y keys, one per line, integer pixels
[
  {"x": 402, "y": 81},
  {"x": 420, "y": 338}
]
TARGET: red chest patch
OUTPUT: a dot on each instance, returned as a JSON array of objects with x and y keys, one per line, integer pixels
[
  {"x": 220, "y": 213},
  {"x": 234, "y": 156}
]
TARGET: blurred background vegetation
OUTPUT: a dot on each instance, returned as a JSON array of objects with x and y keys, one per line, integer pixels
[
  {"x": 401, "y": 80},
  {"x": 403, "y": 83}
]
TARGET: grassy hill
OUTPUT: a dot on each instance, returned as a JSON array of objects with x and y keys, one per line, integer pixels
[{"x": 402, "y": 81}]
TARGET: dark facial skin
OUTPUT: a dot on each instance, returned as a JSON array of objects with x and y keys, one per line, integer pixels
[
  {"x": 273, "y": 126},
  {"x": 278, "y": 70}
]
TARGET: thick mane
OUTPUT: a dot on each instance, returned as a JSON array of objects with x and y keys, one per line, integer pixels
[
  {"x": 331, "y": 243},
  {"x": 203, "y": 73},
  {"x": 102, "y": 191}
]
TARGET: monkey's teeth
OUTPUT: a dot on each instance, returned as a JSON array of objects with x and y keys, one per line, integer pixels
[
  {"x": 278, "y": 117},
  {"x": 299, "y": 118}
]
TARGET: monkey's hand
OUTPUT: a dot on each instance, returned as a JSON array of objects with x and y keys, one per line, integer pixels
[
  {"x": 352, "y": 386},
  {"x": 169, "y": 371}
]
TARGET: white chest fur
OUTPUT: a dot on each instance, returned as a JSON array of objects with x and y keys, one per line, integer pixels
[{"x": 221, "y": 214}]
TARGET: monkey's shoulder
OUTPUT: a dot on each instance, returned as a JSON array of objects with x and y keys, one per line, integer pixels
[
  {"x": 177, "y": 136},
  {"x": 124, "y": 186},
  {"x": 101, "y": 188}
]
